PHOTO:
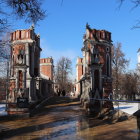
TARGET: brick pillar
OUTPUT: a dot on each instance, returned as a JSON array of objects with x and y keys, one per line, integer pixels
[{"x": 46, "y": 67}]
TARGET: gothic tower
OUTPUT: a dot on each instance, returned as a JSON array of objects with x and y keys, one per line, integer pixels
[
  {"x": 79, "y": 73},
  {"x": 96, "y": 81},
  {"x": 46, "y": 67},
  {"x": 25, "y": 54}
]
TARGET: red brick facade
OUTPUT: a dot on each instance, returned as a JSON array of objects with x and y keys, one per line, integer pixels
[
  {"x": 79, "y": 73},
  {"x": 24, "y": 65},
  {"x": 79, "y": 68},
  {"x": 26, "y": 81},
  {"x": 46, "y": 67},
  {"x": 94, "y": 74},
  {"x": 22, "y": 35}
]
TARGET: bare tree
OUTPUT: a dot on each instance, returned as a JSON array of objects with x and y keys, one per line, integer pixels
[
  {"x": 118, "y": 66},
  {"x": 135, "y": 4},
  {"x": 29, "y": 10},
  {"x": 4, "y": 66},
  {"x": 62, "y": 71},
  {"x": 5, "y": 47},
  {"x": 129, "y": 85}
]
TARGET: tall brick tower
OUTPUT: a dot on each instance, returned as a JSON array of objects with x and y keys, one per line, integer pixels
[
  {"x": 79, "y": 73},
  {"x": 96, "y": 81},
  {"x": 25, "y": 55},
  {"x": 46, "y": 67}
]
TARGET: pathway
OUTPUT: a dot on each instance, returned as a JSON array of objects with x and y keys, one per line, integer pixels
[{"x": 63, "y": 118}]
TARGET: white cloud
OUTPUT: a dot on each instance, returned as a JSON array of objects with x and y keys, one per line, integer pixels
[{"x": 48, "y": 51}]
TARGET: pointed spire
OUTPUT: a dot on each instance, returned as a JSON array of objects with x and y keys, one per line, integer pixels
[
  {"x": 32, "y": 27},
  {"x": 138, "y": 50},
  {"x": 87, "y": 26},
  {"x": 38, "y": 35}
]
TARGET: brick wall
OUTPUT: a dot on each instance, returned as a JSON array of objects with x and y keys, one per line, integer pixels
[
  {"x": 79, "y": 68},
  {"x": 79, "y": 73},
  {"x": 46, "y": 67}
]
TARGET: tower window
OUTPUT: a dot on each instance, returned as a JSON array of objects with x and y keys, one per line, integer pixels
[
  {"x": 19, "y": 34},
  {"x": 20, "y": 80},
  {"x": 107, "y": 49},
  {"x": 107, "y": 65}
]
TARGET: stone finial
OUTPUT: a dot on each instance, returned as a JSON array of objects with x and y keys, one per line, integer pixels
[
  {"x": 32, "y": 27},
  {"x": 138, "y": 50},
  {"x": 38, "y": 35},
  {"x": 87, "y": 26}
]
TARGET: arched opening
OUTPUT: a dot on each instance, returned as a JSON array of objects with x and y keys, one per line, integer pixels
[
  {"x": 20, "y": 79},
  {"x": 96, "y": 79},
  {"x": 107, "y": 65}
]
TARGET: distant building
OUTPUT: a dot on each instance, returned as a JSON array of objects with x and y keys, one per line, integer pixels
[
  {"x": 46, "y": 72},
  {"x": 26, "y": 81},
  {"x": 94, "y": 75},
  {"x": 47, "y": 67},
  {"x": 79, "y": 74}
]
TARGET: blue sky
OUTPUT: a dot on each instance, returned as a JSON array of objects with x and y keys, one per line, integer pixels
[{"x": 62, "y": 30}]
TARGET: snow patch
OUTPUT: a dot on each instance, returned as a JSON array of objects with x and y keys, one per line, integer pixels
[
  {"x": 129, "y": 108},
  {"x": 3, "y": 109}
]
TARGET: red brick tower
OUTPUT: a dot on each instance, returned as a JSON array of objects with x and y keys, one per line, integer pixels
[
  {"x": 24, "y": 67},
  {"x": 96, "y": 81},
  {"x": 46, "y": 67},
  {"x": 79, "y": 73}
]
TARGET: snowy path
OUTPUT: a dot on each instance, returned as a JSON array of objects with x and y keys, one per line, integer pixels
[
  {"x": 2, "y": 110},
  {"x": 129, "y": 108}
]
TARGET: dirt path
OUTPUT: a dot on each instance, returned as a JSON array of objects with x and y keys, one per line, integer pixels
[{"x": 64, "y": 119}]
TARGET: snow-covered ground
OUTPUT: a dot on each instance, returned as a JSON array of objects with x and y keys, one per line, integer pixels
[
  {"x": 2, "y": 109},
  {"x": 129, "y": 108}
]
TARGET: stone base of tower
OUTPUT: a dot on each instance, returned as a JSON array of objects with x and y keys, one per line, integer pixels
[
  {"x": 92, "y": 105},
  {"x": 93, "y": 108},
  {"x": 12, "y": 109},
  {"x": 17, "y": 111}
]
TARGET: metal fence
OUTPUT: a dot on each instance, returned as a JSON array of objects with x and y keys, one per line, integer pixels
[{"x": 127, "y": 101}]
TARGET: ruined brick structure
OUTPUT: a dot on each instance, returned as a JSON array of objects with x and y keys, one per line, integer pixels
[
  {"x": 94, "y": 79},
  {"x": 25, "y": 78},
  {"x": 46, "y": 72},
  {"x": 46, "y": 67},
  {"x": 79, "y": 73}
]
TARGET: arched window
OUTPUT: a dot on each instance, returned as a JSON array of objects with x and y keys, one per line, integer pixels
[
  {"x": 19, "y": 34},
  {"x": 20, "y": 79},
  {"x": 96, "y": 79},
  {"x": 107, "y": 65},
  {"x": 27, "y": 34},
  {"x": 13, "y": 59},
  {"x": 20, "y": 59}
]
